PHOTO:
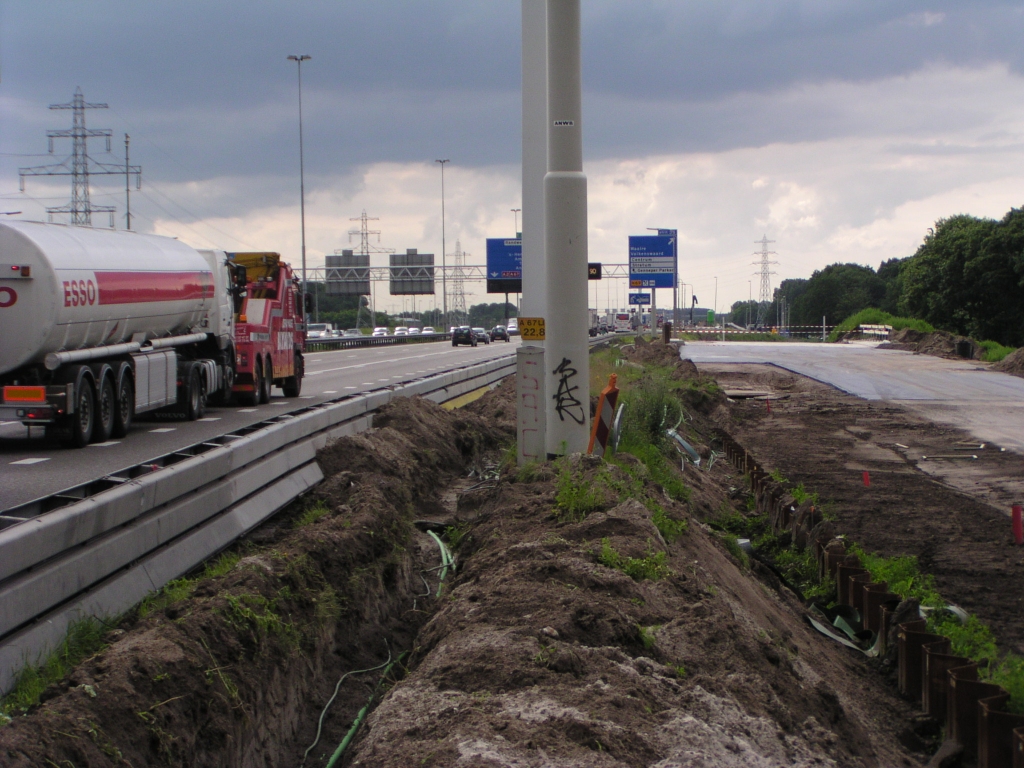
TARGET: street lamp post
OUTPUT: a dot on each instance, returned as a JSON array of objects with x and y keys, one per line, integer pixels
[
  {"x": 716, "y": 299},
  {"x": 444, "y": 271},
  {"x": 302, "y": 185},
  {"x": 750, "y": 295}
]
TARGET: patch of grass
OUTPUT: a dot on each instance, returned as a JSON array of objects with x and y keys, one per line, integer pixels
[
  {"x": 647, "y": 635},
  {"x": 260, "y": 615},
  {"x": 456, "y": 534},
  {"x": 182, "y": 589},
  {"x": 993, "y": 351},
  {"x": 661, "y": 471},
  {"x": 734, "y": 549},
  {"x": 778, "y": 477},
  {"x": 669, "y": 528},
  {"x": 651, "y": 567},
  {"x": 575, "y": 498},
  {"x": 679, "y": 669},
  {"x": 800, "y": 495},
  {"x": 1009, "y": 673},
  {"x": 83, "y": 640},
  {"x": 878, "y": 317},
  {"x": 528, "y": 473},
  {"x": 312, "y": 514}
]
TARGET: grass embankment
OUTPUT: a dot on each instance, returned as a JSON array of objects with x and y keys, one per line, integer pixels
[
  {"x": 992, "y": 351},
  {"x": 971, "y": 638}
]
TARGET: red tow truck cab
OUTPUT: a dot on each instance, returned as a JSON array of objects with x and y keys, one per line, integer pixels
[{"x": 269, "y": 328}]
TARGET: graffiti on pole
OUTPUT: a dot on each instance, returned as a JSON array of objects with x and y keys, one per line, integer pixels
[{"x": 566, "y": 403}]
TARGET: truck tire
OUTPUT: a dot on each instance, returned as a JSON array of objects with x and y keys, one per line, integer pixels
[
  {"x": 253, "y": 398},
  {"x": 268, "y": 381},
  {"x": 82, "y": 420},
  {"x": 293, "y": 384},
  {"x": 124, "y": 410},
  {"x": 106, "y": 405},
  {"x": 194, "y": 401}
]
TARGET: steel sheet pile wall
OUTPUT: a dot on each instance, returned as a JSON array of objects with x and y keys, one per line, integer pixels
[{"x": 946, "y": 685}]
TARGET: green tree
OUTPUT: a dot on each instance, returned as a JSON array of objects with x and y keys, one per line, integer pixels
[{"x": 836, "y": 292}]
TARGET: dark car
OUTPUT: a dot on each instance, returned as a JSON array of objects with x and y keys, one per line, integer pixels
[
  {"x": 499, "y": 332},
  {"x": 482, "y": 335},
  {"x": 463, "y": 335}
]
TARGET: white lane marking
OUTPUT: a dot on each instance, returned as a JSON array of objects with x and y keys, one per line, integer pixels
[
  {"x": 29, "y": 461},
  {"x": 279, "y": 403},
  {"x": 329, "y": 392},
  {"x": 247, "y": 410},
  {"x": 349, "y": 387},
  {"x": 382, "y": 379},
  {"x": 307, "y": 397},
  {"x": 367, "y": 384},
  {"x": 164, "y": 429},
  {"x": 106, "y": 444},
  {"x": 210, "y": 418}
]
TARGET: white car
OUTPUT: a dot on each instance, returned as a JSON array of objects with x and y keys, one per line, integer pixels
[
  {"x": 513, "y": 327},
  {"x": 401, "y": 331},
  {"x": 414, "y": 331},
  {"x": 427, "y": 331},
  {"x": 352, "y": 333},
  {"x": 318, "y": 331},
  {"x": 379, "y": 332}
]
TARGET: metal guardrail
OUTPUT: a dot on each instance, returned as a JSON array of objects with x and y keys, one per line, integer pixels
[
  {"x": 100, "y": 548},
  {"x": 341, "y": 342}
]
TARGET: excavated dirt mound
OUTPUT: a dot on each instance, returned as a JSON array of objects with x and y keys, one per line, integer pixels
[
  {"x": 1013, "y": 363},
  {"x": 543, "y": 655},
  {"x": 937, "y": 343},
  {"x": 233, "y": 670},
  {"x": 653, "y": 352}
]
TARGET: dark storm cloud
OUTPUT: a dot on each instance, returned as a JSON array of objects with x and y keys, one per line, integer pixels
[{"x": 208, "y": 86}]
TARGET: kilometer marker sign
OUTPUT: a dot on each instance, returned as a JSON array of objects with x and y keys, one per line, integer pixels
[{"x": 531, "y": 328}]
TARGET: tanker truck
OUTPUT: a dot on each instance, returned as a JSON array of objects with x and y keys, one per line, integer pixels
[{"x": 98, "y": 326}]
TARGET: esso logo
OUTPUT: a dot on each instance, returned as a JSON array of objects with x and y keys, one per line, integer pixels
[
  {"x": 8, "y": 297},
  {"x": 79, "y": 293}
]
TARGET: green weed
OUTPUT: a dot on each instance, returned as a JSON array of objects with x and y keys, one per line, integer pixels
[
  {"x": 260, "y": 616},
  {"x": 651, "y": 567},
  {"x": 647, "y": 635},
  {"x": 83, "y": 640},
  {"x": 575, "y": 498},
  {"x": 878, "y": 317},
  {"x": 734, "y": 549},
  {"x": 993, "y": 351},
  {"x": 312, "y": 514}
]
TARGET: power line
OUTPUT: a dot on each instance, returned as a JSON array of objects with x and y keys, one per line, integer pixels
[{"x": 765, "y": 295}]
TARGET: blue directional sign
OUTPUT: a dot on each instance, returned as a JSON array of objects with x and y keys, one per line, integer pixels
[
  {"x": 652, "y": 260},
  {"x": 504, "y": 265},
  {"x": 639, "y": 298}
]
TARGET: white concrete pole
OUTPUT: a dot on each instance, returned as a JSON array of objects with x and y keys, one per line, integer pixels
[
  {"x": 567, "y": 365},
  {"x": 530, "y": 406}
]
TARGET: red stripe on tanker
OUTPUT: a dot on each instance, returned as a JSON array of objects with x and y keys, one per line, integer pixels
[{"x": 144, "y": 287}]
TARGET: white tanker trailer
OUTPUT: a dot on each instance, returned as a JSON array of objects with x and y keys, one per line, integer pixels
[{"x": 97, "y": 325}]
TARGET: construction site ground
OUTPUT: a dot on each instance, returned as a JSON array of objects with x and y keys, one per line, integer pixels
[{"x": 592, "y": 620}]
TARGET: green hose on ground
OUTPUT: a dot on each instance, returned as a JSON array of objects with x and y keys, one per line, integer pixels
[
  {"x": 447, "y": 561},
  {"x": 362, "y": 715}
]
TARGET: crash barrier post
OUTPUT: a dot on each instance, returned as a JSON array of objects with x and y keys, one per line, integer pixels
[{"x": 605, "y": 414}]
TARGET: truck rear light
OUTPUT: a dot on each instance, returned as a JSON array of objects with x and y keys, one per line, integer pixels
[{"x": 24, "y": 394}]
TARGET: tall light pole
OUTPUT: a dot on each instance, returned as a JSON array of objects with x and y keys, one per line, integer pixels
[
  {"x": 515, "y": 212},
  {"x": 302, "y": 184},
  {"x": 444, "y": 272},
  {"x": 749, "y": 299},
  {"x": 716, "y": 299}
]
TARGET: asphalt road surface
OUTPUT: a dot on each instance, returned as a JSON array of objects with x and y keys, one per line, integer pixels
[
  {"x": 32, "y": 467},
  {"x": 962, "y": 393}
]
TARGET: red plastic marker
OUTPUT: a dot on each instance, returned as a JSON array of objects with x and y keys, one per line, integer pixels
[
  {"x": 1018, "y": 525},
  {"x": 867, "y": 480}
]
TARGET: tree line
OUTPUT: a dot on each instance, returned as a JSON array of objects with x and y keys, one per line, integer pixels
[{"x": 967, "y": 277}]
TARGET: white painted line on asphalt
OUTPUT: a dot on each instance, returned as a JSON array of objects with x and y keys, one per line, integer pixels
[
  {"x": 382, "y": 379},
  {"x": 367, "y": 383},
  {"x": 364, "y": 365},
  {"x": 210, "y": 418},
  {"x": 164, "y": 429},
  {"x": 307, "y": 397},
  {"x": 329, "y": 392},
  {"x": 350, "y": 387},
  {"x": 284, "y": 403},
  {"x": 247, "y": 410},
  {"x": 29, "y": 461},
  {"x": 106, "y": 444}
]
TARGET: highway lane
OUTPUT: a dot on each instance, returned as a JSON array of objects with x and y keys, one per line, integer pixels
[{"x": 32, "y": 467}]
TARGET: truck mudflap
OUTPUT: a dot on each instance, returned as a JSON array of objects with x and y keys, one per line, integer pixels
[{"x": 36, "y": 404}]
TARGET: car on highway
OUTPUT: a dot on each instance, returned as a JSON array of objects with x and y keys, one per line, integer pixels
[
  {"x": 351, "y": 333},
  {"x": 463, "y": 334},
  {"x": 378, "y": 332},
  {"x": 499, "y": 332},
  {"x": 414, "y": 331},
  {"x": 318, "y": 331},
  {"x": 513, "y": 327},
  {"x": 401, "y": 330},
  {"x": 427, "y": 331},
  {"x": 482, "y": 335}
]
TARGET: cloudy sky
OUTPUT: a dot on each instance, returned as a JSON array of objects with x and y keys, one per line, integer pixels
[{"x": 842, "y": 130}]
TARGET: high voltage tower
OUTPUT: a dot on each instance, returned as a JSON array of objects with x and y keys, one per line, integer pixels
[
  {"x": 764, "y": 299},
  {"x": 456, "y": 290},
  {"x": 79, "y": 166},
  {"x": 364, "y": 314}
]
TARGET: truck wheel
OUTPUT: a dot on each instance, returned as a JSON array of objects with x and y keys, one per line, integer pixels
[
  {"x": 194, "y": 404},
  {"x": 293, "y": 384},
  {"x": 106, "y": 404},
  {"x": 124, "y": 410},
  {"x": 84, "y": 416},
  {"x": 253, "y": 398},
  {"x": 268, "y": 381}
]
